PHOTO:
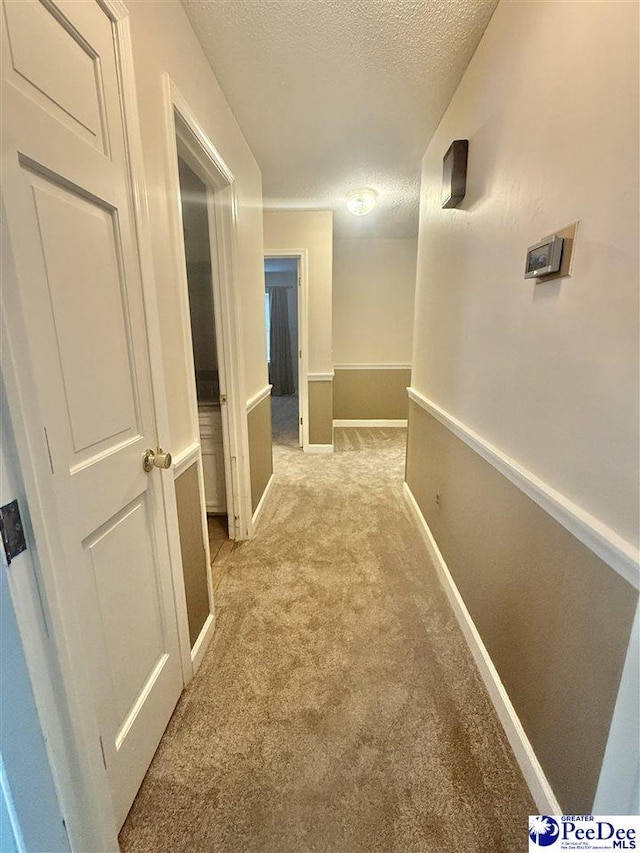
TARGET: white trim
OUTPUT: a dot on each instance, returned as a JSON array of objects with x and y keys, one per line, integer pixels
[
  {"x": 319, "y": 448},
  {"x": 321, "y": 377},
  {"x": 262, "y": 503},
  {"x": 371, "y": 367},
  {"x": 154, "y": 335},
  {"x": 184, "y": 459},
  {"x": 116, "y": 9},
  {"x": 254, "y": 401},
  {"x": 618, "y": 790},
  {"x": 302, "y": 256},
  {"x": 181, "y": 124},
  {"x": 621, "y": 555},
  {"x": 10, "y": 809},
  {"x": 533, "y": 773},
  {"x": 370, "y": 423},
  {"x": 204, "y": 639}
]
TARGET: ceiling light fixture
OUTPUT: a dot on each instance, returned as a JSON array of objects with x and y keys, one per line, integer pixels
[{"x": 362, "y": 201}]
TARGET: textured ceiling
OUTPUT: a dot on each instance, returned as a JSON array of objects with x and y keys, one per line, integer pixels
[{"x": 337, "y": 94}]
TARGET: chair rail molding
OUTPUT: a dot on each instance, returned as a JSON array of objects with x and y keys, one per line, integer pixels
[
  {"x": 257, "y": 398},
  {"x": 320, "y": 377},
  {"x": 372, "y": 367},
  {"x": 615, "y": 551},
  {"x": 185, "y": 458}
]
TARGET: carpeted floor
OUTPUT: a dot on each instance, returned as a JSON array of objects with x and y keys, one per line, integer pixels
[
  {"x": 284, "y": 420},
  {"x": 338, "y": 707}
]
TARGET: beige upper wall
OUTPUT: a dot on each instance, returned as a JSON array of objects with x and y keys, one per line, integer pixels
[
  {"x": 549, "y": 372},
  {"x": 163, "y": 42},
  {"x": 285, "y": 230},
  {"x": 373, "y": 296}
]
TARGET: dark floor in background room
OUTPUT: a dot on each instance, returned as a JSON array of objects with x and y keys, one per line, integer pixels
[{"x": 220, "y": 546}]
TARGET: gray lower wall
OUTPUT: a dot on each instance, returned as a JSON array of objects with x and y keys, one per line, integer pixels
[
  {"x": 321, "y": 412},
  {"x": 260, "y": 453},
  {"x": 554, "y": 618},
  {"x": 194, "y": 556},
  {"x": 370, "y": 394}
]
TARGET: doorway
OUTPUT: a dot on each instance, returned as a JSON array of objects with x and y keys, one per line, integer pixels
[
  {"x": 214, "y": 349},
  {"x": 201, "y": 580},
  {"x": 202, "y": 311},
  {"x": 285, "y": 318}
]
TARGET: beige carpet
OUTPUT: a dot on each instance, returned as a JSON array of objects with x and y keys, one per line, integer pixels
[{"x": 338, "y": 708}]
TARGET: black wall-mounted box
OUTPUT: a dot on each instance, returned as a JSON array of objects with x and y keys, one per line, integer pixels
[{"x": 454, "y": 173}]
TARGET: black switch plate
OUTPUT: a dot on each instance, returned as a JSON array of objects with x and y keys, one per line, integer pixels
[{"x": 12, "y": 531}]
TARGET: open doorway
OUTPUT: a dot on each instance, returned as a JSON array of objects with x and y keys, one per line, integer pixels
[
  {"x": 285, "y": 317},
  {"x": 281, "y": 316},
  {"x": 207, "y": 358}
]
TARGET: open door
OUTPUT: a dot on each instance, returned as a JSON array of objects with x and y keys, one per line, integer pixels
[
  {"x": 78, "y": 321},
  {"x": 285, "y": 275}
]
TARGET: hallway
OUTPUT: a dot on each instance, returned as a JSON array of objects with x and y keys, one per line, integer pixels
[{"x": 338, "y": 707}]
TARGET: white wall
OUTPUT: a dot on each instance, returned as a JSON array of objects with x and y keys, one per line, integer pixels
[
  {"x": 163, "y": 41},
  {"x": 373, "y": 299},
  {"x": 312, "y": 230},
  {"x": 548, "y": 373}
]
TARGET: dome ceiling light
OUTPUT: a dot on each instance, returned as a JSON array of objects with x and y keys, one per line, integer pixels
[{"x": 362, "y": 201}]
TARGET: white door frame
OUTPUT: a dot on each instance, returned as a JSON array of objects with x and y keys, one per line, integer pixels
[
  {"x": 60, "y": 679},
  {"x": 302, "y": 256},
  {"x": 201, "y": 155}
]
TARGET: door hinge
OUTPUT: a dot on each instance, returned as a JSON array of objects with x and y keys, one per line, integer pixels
[
  {"x": 299, "y": 281},
  {"x": 104, "y": 760},
  {"x": 300, "y": 421},
  {"x": 12, "y": 531},
  {"x": 299, "y": 353}
]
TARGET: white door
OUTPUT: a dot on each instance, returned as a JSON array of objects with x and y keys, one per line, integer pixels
[{"x": 68, "y": 205}]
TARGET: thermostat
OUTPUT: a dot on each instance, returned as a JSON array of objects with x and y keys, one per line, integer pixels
[{"x": 544, "y": 258}]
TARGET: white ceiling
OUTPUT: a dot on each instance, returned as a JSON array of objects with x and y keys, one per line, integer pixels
[{"x": 337, "y": 94}]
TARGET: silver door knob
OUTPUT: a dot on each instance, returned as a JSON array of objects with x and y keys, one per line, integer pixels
[{"x": 155, "y": 459}]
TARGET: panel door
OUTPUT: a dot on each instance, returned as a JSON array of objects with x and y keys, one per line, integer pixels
[{"x": 68, "y": 206}]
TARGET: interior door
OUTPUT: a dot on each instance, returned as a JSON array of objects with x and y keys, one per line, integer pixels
[{"x": 68, "y": 205}]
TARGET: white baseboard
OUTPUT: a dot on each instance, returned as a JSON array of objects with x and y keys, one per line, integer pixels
[
  {"x": 370, "y": 423},
  {"x": 261, "y": 503},
  {"x": 533, "y": 773},
  {"x": 202, "y": 643},
  {"x": 318, "y": 448}
]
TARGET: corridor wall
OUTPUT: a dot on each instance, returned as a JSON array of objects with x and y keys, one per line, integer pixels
[{"x": 523, "y": 422}]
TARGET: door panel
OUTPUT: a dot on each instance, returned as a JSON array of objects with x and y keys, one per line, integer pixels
[
  {"x": 81, "y": 249},
  {"x": 69, "y": 216},
  {"x": 129, "y": 605},
  {"x": 66, "y": 77}
]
